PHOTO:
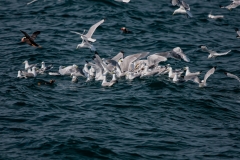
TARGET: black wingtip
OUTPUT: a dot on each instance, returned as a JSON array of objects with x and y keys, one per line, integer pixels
[
  {"x": 200, "y": 71},
  {"x": 86, "y": 61},
  {"x": 220, "y": 6},
  {"x": 215, "y": 67},
  {"x": 225, "y": 73},
  {"x": 122, "y": 51},
  {"x": 236, "y": 29},
  {"x": 200, "y": 46},
  {"x": 96, "y": 52},
  {"x": 93, "y": 57}
]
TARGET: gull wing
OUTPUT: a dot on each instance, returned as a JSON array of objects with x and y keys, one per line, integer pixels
[
  {"x": 130, "y": 59},
  {"x": 164, "y": 54},
  {"x": 93, "y": 28},
  {"x": 185, "y": 5},
  {"x": 209, "y": 73},
  {"x": 155, "y": 59},
  {"x": 101, "y": 62},
  {"x": 118, "y": 56},
  {"x": 232, "y": 76},
  {"x": 179, "y": 52},
  {"x": 35, "y": 34},
  {"x": 221, "y": 54}
]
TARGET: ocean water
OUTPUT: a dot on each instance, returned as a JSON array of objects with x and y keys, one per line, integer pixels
[{"x": 150, "y": 118}]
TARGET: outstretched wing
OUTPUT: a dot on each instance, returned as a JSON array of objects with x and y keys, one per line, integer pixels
[
  {"x": 232, "y": 76},
  {"x": 179, "y": 52},
  {"x": 26, "y": 35},
  {"x": 209, "y": 73},
  {"x": 93, "y": 28},
  {"x": 221, "y": 54},
  {"x": 118, "y": 56},
  {"x": 35, "y": 34}
]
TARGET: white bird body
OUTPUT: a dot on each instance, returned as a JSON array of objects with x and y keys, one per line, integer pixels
[{"x": 215, "y": 17}]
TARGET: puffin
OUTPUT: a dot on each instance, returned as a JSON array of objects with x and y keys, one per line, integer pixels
[
  {"x": 30, "y": 40},
  {"x": 125, "y": 30},
  {"x": 42, "y": 82}
]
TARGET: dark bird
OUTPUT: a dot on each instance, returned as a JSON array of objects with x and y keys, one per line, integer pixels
[
  {"x": 42, "y": 82},
  {"x": 125, "y": 30},
  {"x": 30, "y": 40}
]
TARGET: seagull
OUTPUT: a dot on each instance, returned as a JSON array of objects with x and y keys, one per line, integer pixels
[
  {"x": 184, "y": 8},
  {"x": 188, "y": 73},
  {"x": 92, "y": 29},
  {"x": 214, "y": 17},
  {"x": 238, "y": 32},
  {"x": 176, "y": 53},
  {"x": 213, "y": 54},
  {"x": 108, "y": 84},
  {"x": 30, "y": 75},
  {"x": 203, "y": 83},
  {"x": 154, "y": 59},
  {"x": 44, "y": 68},
  {"x": 234, "y": 4},
  {"x": 27, "y": 66},
  {"x": 172, "y": 73},
  {"x": 86, "y": 44},
  {"x": 177, "y": 78},
  {"x": 30, "y": 40},
  {"x": 232, "y": 76}
]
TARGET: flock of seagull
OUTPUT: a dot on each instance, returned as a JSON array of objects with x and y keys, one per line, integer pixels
[{"x": 133, "y": 66}]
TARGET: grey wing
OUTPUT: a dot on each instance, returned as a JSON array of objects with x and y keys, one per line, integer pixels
[
  {"x": 175, "y": 2},
  {"x": 179, "y": 52},
  {"x": 155, "y": 59},
  {"x": 76, "y": 33},
  {"x": 221, "y": 54},
  {"x": 130, "y": 59},
  {"x": 209, "y": 73},
  {"x": 185, "y": 5},
  {"x": 118, "y": 56},
  {"x": 193, "y": 78},
  {"x": 164, "y": 54},
  {"x": 189, "y": 13},
  {"x": 232, "y": 76},
  {"x": 112, "y": 64},
  {"x": 93, "y": 28}
]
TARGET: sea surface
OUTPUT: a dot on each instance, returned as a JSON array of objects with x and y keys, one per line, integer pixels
[{"x": 143, "y": 119}]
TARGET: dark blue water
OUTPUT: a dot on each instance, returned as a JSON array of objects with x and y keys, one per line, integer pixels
[{"x": 150, "y": 118}]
